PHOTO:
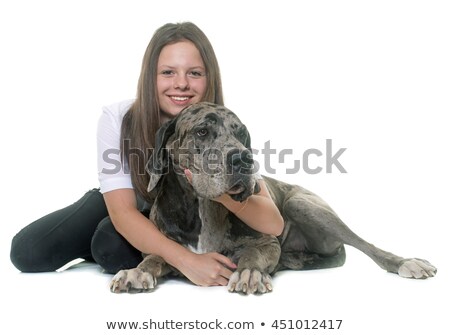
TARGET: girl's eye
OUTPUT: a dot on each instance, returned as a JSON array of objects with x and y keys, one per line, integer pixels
[
  {"x": 167, "y": 72},
  {"x": 202, "y": 132},
  {"x": 196, "y": 74}
]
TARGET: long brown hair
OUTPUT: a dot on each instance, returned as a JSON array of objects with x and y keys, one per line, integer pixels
[{"x": 143, "y": 119}]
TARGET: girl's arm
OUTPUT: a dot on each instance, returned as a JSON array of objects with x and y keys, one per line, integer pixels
[
  {"x": 258, "y": 211},
  {"x": 204, "y": 270}
]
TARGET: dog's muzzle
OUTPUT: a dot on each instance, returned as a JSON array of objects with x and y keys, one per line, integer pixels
[{"x": 240, "y": 167}]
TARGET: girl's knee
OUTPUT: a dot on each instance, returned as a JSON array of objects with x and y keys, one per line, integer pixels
[
  {"x": 111, "y": 250},
  {"x": 25, "y": 258}
]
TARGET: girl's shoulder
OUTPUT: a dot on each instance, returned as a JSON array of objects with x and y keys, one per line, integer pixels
[
  {"x": 112, "y": 115},
  {"x": 118, "y": 109}
]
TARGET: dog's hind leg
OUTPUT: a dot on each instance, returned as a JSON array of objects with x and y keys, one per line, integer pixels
[
  {"x": 300, "y": 259},
  {"x": 323, "y": 232}
]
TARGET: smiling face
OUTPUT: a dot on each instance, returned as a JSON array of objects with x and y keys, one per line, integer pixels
[{"x": 181, "y": 78}]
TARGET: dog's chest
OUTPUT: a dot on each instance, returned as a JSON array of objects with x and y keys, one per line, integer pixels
[{"x": 214, "y": 229}]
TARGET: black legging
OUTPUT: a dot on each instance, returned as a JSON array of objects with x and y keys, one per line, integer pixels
[{"x": 81, "y": 230}]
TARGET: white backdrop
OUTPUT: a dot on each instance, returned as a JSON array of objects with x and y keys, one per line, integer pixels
[{"x": 371, "y": 76}]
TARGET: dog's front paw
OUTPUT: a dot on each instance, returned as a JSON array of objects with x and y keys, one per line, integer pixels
[
  {"x": 133, "y": 280},
  {"x": 250, "y": 282},
  {"x": 417, "y": 269}
]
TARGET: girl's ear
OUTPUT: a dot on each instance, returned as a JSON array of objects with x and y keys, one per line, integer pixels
[{"x": 158, "y": 163}]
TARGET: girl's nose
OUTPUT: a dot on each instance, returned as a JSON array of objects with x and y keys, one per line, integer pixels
[{"x": 181, "y": 82}]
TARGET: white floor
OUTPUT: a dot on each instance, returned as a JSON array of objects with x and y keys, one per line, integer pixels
[{"x": 367, "y": 300}]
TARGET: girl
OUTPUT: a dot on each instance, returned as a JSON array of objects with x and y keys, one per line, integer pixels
[{"x": 109, "y": 225}]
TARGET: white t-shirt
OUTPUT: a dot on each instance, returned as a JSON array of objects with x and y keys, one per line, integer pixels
[{"x": 111, "y": 173}]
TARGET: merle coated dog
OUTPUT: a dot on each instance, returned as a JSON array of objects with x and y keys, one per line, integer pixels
[{"x": 214, "y": 145}]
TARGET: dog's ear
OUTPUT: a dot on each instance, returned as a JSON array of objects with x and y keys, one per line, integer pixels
[
  {"x": 243, "y": 136},
  {"x": 257, "y": 188},
  {"x": 158, "y": 163}
]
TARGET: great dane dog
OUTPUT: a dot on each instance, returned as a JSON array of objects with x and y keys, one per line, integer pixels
[{"x": 214, "y": 145}]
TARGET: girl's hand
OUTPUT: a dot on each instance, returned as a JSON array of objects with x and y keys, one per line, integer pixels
[
  {"x": 211, "y": 269},
  {"x": 188, "y": 175}
]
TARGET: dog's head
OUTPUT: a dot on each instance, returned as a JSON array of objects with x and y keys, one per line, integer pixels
[{"x": 213, "y": 144}]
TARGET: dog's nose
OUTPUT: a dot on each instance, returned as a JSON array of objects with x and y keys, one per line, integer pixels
[{"x": 240, "y": 161}]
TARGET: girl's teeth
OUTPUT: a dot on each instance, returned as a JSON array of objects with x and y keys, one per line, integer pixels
[{"x": 180, "y": 98}]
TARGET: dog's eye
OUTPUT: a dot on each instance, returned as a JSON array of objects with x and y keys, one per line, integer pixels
[{"x": 202, "y": 132}]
